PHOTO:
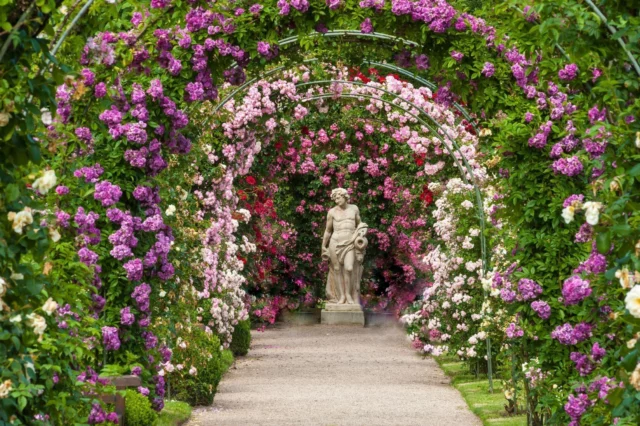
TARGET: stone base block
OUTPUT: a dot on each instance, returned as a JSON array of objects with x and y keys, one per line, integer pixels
[
  {"x": 342, "y": 317},
  {"x": 342, "y": 307}
]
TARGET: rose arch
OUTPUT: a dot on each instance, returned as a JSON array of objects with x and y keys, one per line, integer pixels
[{"x": 150, "y": 141}]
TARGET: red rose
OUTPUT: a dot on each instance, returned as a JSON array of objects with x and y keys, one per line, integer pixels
[
  {"x": 427, "y": 195},
  {"x": 250, "y": 180},
  {"x": 363, "y": 77}
]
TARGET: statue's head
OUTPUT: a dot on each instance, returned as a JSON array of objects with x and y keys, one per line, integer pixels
[{"x": 340, "y": 196}]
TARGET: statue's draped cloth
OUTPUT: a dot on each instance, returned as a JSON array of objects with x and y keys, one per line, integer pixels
[{"x": 358, "y": 244}]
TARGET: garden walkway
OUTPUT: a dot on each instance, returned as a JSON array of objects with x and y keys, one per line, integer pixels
[{"x": 334, "y": 375}]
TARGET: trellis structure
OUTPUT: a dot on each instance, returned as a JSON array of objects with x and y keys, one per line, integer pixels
[{"x": 434, "y": 127}]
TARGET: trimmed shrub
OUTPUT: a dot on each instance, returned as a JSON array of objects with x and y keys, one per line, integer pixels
[
  {"x": 241, "y": 340},
  {"x": 202, "y": 367},
  {"x": 227, "y": 360},
  {"x": 138, "y": 410}
]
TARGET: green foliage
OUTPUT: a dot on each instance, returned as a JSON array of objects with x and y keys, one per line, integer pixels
[
  {"x": 174, "y": 413},
  {"x": 138, "y": 410},
  {"x": 241, "y": 340},
  {"x": 475, "y": 391},
  {"x": 203, "y": 365}
]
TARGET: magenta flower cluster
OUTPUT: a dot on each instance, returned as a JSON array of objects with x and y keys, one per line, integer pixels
[
  {"x": 569, "y": 72},
  {"x": 571, "y": 166},
  {"x": 529, "y": 289},
  {"x": 107, "y": 193},
  {"x": 513, "y": 331},
  {"x": 541, "y": 308},
  {"x": 110, "y": 338},
  {"x": 575, "y": 290},
  {"x": 569, "y": 335}
]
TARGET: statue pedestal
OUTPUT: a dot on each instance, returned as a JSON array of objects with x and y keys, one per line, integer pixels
[{"x": 339, "y": 314}]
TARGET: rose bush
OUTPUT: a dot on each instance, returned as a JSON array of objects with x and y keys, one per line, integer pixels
[{"x": 134, "y": 177}]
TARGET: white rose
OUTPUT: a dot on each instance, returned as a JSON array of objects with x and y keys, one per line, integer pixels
[
  {"x": 5, "y": 388},
  {"x": 4, "y": 119},
  {"x": 50, "y": 306},
  {"x": 162, "y": 293},
  {"x": 47, "y": 119},
  {"x": 16, "y": 277},
  {"x": 193, "y": 371},
  {"x": 170, "y": 210},
  {"x": 3, "y": 287},
  {"x": 632, "y": 301},
  {"x": 592, "y": 212},
  {"x": 20, "y": 219},
  {"x": 467, "y": 204},
  {"x": 634, "y": 380},
  {"x": 54, "y": 234},
  {"x": 568, "y": 214},
  {"x": 46, "y": 182},
  {"x": 16, "y": 319},
  {"x": 485, "y": 132},
  {"x": 625, "y": 278},
  {"x": 37, "y": 322},
  {"x": 638, "y": 140}
]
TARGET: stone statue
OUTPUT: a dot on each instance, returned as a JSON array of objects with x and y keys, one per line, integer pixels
[{"x": 343, "y": 246}]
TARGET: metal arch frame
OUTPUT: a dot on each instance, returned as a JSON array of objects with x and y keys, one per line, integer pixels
[
  {"x": 394, "y": 68},
  {"x": 338, "y": 33},
  {"x": 479, "y": 202},
  {"x": 467, "y": 166},
  {"x": 612, "y": 30}
]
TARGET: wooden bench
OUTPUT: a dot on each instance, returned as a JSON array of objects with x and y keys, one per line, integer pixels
[{"x": 121, "y": 383}]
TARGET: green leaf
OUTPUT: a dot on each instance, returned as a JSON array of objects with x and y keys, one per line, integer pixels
[
  {"x": 603, "y": 242},
  {"x": 22, "y": 402},
  {"x": 12, "y": 192},
  {"x": 630, "y": 361}
]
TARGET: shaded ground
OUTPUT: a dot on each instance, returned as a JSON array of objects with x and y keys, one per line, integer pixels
[{"x": 334, "y": 375}]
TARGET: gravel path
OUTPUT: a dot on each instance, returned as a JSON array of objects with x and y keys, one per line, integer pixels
[{"x": 334, "y": 375}]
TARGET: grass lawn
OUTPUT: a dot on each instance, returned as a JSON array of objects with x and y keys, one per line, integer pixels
[
  {"x": 174, "y": 413},
  {"x": 488, "y": 406}
]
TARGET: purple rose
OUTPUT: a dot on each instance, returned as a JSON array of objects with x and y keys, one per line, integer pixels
[
  {"x": 110, "y": 338},
  {"x": 366, "y": 27},
  {"x": 488, "y": 70},
  {"x": 541, "y": 308},
  {"x": 126, "y": 317},
  {"x": 457, "y": 56},
  {"x": 529, "y": 289},
  {"x": 569, "y": 72},
  {"x": 575, "y": 290}
]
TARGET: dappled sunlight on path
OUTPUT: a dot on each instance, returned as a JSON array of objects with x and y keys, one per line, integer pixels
[{"x": 334, "y": 375}]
